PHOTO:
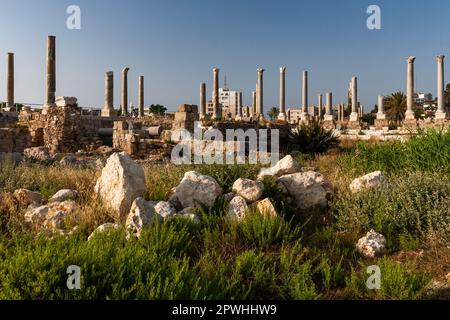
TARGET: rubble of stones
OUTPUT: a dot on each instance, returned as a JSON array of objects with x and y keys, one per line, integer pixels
[{"x": 121, "y": 187}]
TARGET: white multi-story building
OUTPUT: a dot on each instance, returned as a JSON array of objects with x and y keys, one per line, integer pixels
[{"x": 230, "y": 101}]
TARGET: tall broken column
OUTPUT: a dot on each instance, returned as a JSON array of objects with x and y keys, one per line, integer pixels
[
  {"x": 304, "y": 115},
  {"x": 354, "y": 116},
  {"x": 380, "y": 114},
  {"x": 141, "y": 97},
  {"x": 202, "y": 100},
  {"x": 217, "y": 114},
  {"x": 124, "y": 103},
  {"x": 50, "y": 92},
  {"x": 260, "y": 93},
  {"x": 409, "y": 114},
  {"x": 253, "y": 103},
  {"x": 328, "y": 106},
  {"x": 440, "y": 112},
  {"x": 10, "y": 82},
  {"x": 282, "y": 114},
  {"x": 108, "y": 109},
  {"x": 320, "y": 106}
]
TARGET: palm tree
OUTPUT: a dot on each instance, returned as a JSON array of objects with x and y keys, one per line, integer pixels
[
  {"x": 396, "y": 106},
  {"x": 273, "y": 113}
]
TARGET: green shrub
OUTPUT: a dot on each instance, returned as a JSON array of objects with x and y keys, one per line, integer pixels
[
  {"x": 312, "y": 138},
  {"x": 428, "y": 151},
  {"x": 415, "y": 204},
  {"x": 399, "y": 281}
]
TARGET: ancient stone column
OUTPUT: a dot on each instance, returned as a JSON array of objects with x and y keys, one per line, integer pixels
[
  {"x": 329, "y": 103},
  {"x": 10, "y": 82},
  {"x": 380, "y": 114},
  {"x": 124, "y": 104},
  {"x": 260, "y": 93},
  {"x": 216, "y": 108},
  {"x": 253, "y": 103},
  {"x": 108, "y": 109},
  {"x": 239, "y": 106},
  {"x": 282, "y": 114},
  {"x": 440, "y": 112},
  {"x": 354, "y": 115},
  {"x": 141, "y": 97},
  {"x": 202, "y": 100},
  {"x": 304, "y": 115},
  {"x": 50, "y": 92},
  {"x": 409, "y": 115},
  {"x": 319, "y": 105}
]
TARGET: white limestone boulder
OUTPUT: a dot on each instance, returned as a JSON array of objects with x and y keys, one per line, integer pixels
[
  {"x": 248, "y": 189},
  {"x": 266, "y": 208},
  {"x": 107, "y": 227},
  {"x": 142, "y": 214},
  {"x": 372, "y": 245},
  {"x": 306, "y": 188},
  {"x": 197, "y": 189},
  {"x": 287, "y": 165},
  {"x": 51, "y": 216},
  {"x": 26, "y": 197},
  {"x": 369, "y": 181},
  {"x": 121, "y": 182},
  {"x": 63, "y": 195},
  {"x": 164, "y": 209},
  {"x": 237, "y": 208}
]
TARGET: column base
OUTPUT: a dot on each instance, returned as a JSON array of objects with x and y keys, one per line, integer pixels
[
  {"x": 354, "y": 117},
  {"x": 381, "y": 116},
  {"x": 439, "y": 115},
  {"x": 328, "y": 117},
  {"x": 409, "y": 115},
  {"x": 107, "y": 112}
]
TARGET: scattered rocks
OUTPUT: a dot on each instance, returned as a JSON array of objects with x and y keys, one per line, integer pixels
[
  {"x": 248, "y": 189},
  {"x": 164, "y": 209},
  {"x": 197, "y": 189},
  {"x": 38, "y": 154},
  {"x": 287, "y": 165},
  {"x": 266, "y": 208},
  {"x": 104, "y": 228},
  {"x": 26, "y": 197},
  {"x": 369, "y": 181},
  {"x": 306, "y": 188},
  {"x": 141, "y": 215},
  {"x": 372, "y": 245},
  {"x": 63, "y": 195},
  {"x": 121, "y": 182},
  {"x": 228, "y": 196},
  {"x": 51, "y": 216},
  {"x": 237, "y": 208}
]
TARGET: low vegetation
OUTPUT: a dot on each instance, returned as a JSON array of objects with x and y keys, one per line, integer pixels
[{"x": 288, "y": 257}]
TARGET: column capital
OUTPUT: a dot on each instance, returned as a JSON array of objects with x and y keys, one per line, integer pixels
[
  {"x": 411, "y": 59},
  {"x": 124, "y": 71},
  {"x": 260, "y": 70},
  {"x": 440, "y": 58},
  {"x": 216, "y": 70},
  {"x": 282, "y": 69},
  {"x": 109, "y": 73}
]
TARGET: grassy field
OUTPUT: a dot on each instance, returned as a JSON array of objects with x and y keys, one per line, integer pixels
[{"x": 295, "y": 256}]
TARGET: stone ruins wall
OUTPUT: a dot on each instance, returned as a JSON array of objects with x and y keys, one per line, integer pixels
[{"x": 14, "y": 139}]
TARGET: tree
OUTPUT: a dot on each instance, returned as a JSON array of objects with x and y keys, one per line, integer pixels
[
  {"x": 273, "y": 113},
  {"x": 158, "y": 109},
  {"x": 396, "y": 106}
]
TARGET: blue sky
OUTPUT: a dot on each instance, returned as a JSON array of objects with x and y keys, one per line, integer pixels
[{"x": 176, "y": 43}]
